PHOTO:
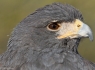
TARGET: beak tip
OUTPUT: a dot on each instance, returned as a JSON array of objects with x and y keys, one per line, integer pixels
[{"x": 91, "y": 38}]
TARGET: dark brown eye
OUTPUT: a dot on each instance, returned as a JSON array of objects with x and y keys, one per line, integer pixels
[{"x": 54, "y": 26}]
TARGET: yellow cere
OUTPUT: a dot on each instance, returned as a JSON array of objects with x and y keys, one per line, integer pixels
[{"x": 71, "y": 29}]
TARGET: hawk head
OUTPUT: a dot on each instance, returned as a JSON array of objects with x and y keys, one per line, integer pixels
[{"x": 54, "y": 27}]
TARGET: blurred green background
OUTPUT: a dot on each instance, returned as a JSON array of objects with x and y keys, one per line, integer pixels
[{"x": 13, "y": 11}]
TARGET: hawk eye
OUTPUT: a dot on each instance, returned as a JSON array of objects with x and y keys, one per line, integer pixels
[{"x": 54, "y": 26}]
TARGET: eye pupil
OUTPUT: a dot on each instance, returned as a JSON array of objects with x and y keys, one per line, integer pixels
[{"x": 54, "y": 26}]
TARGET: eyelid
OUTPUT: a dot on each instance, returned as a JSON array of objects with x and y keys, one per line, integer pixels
[
  {"x": 56, "y": 21},
  {"x": 53, "y": 21}
]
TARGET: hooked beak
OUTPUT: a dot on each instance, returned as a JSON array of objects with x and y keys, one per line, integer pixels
[{"x": 85, "y": 31}]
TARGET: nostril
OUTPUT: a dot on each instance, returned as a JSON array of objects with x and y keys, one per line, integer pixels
[{"x": 78, "y": 25}]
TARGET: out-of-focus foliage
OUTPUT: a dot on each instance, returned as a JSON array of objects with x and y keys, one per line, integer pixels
[{"x": 13, "y": 11}]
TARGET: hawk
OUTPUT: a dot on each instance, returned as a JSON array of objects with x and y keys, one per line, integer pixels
[{"x": 48, "y": 39}]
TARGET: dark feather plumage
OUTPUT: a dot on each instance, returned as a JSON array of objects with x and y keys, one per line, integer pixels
[{"x": 32, "y": 47}]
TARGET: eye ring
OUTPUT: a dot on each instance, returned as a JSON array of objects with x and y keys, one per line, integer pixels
[{"x": 54, "y": 26}]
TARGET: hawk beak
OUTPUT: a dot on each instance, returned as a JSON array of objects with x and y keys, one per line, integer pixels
[{"x": 85, "y": 31}]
